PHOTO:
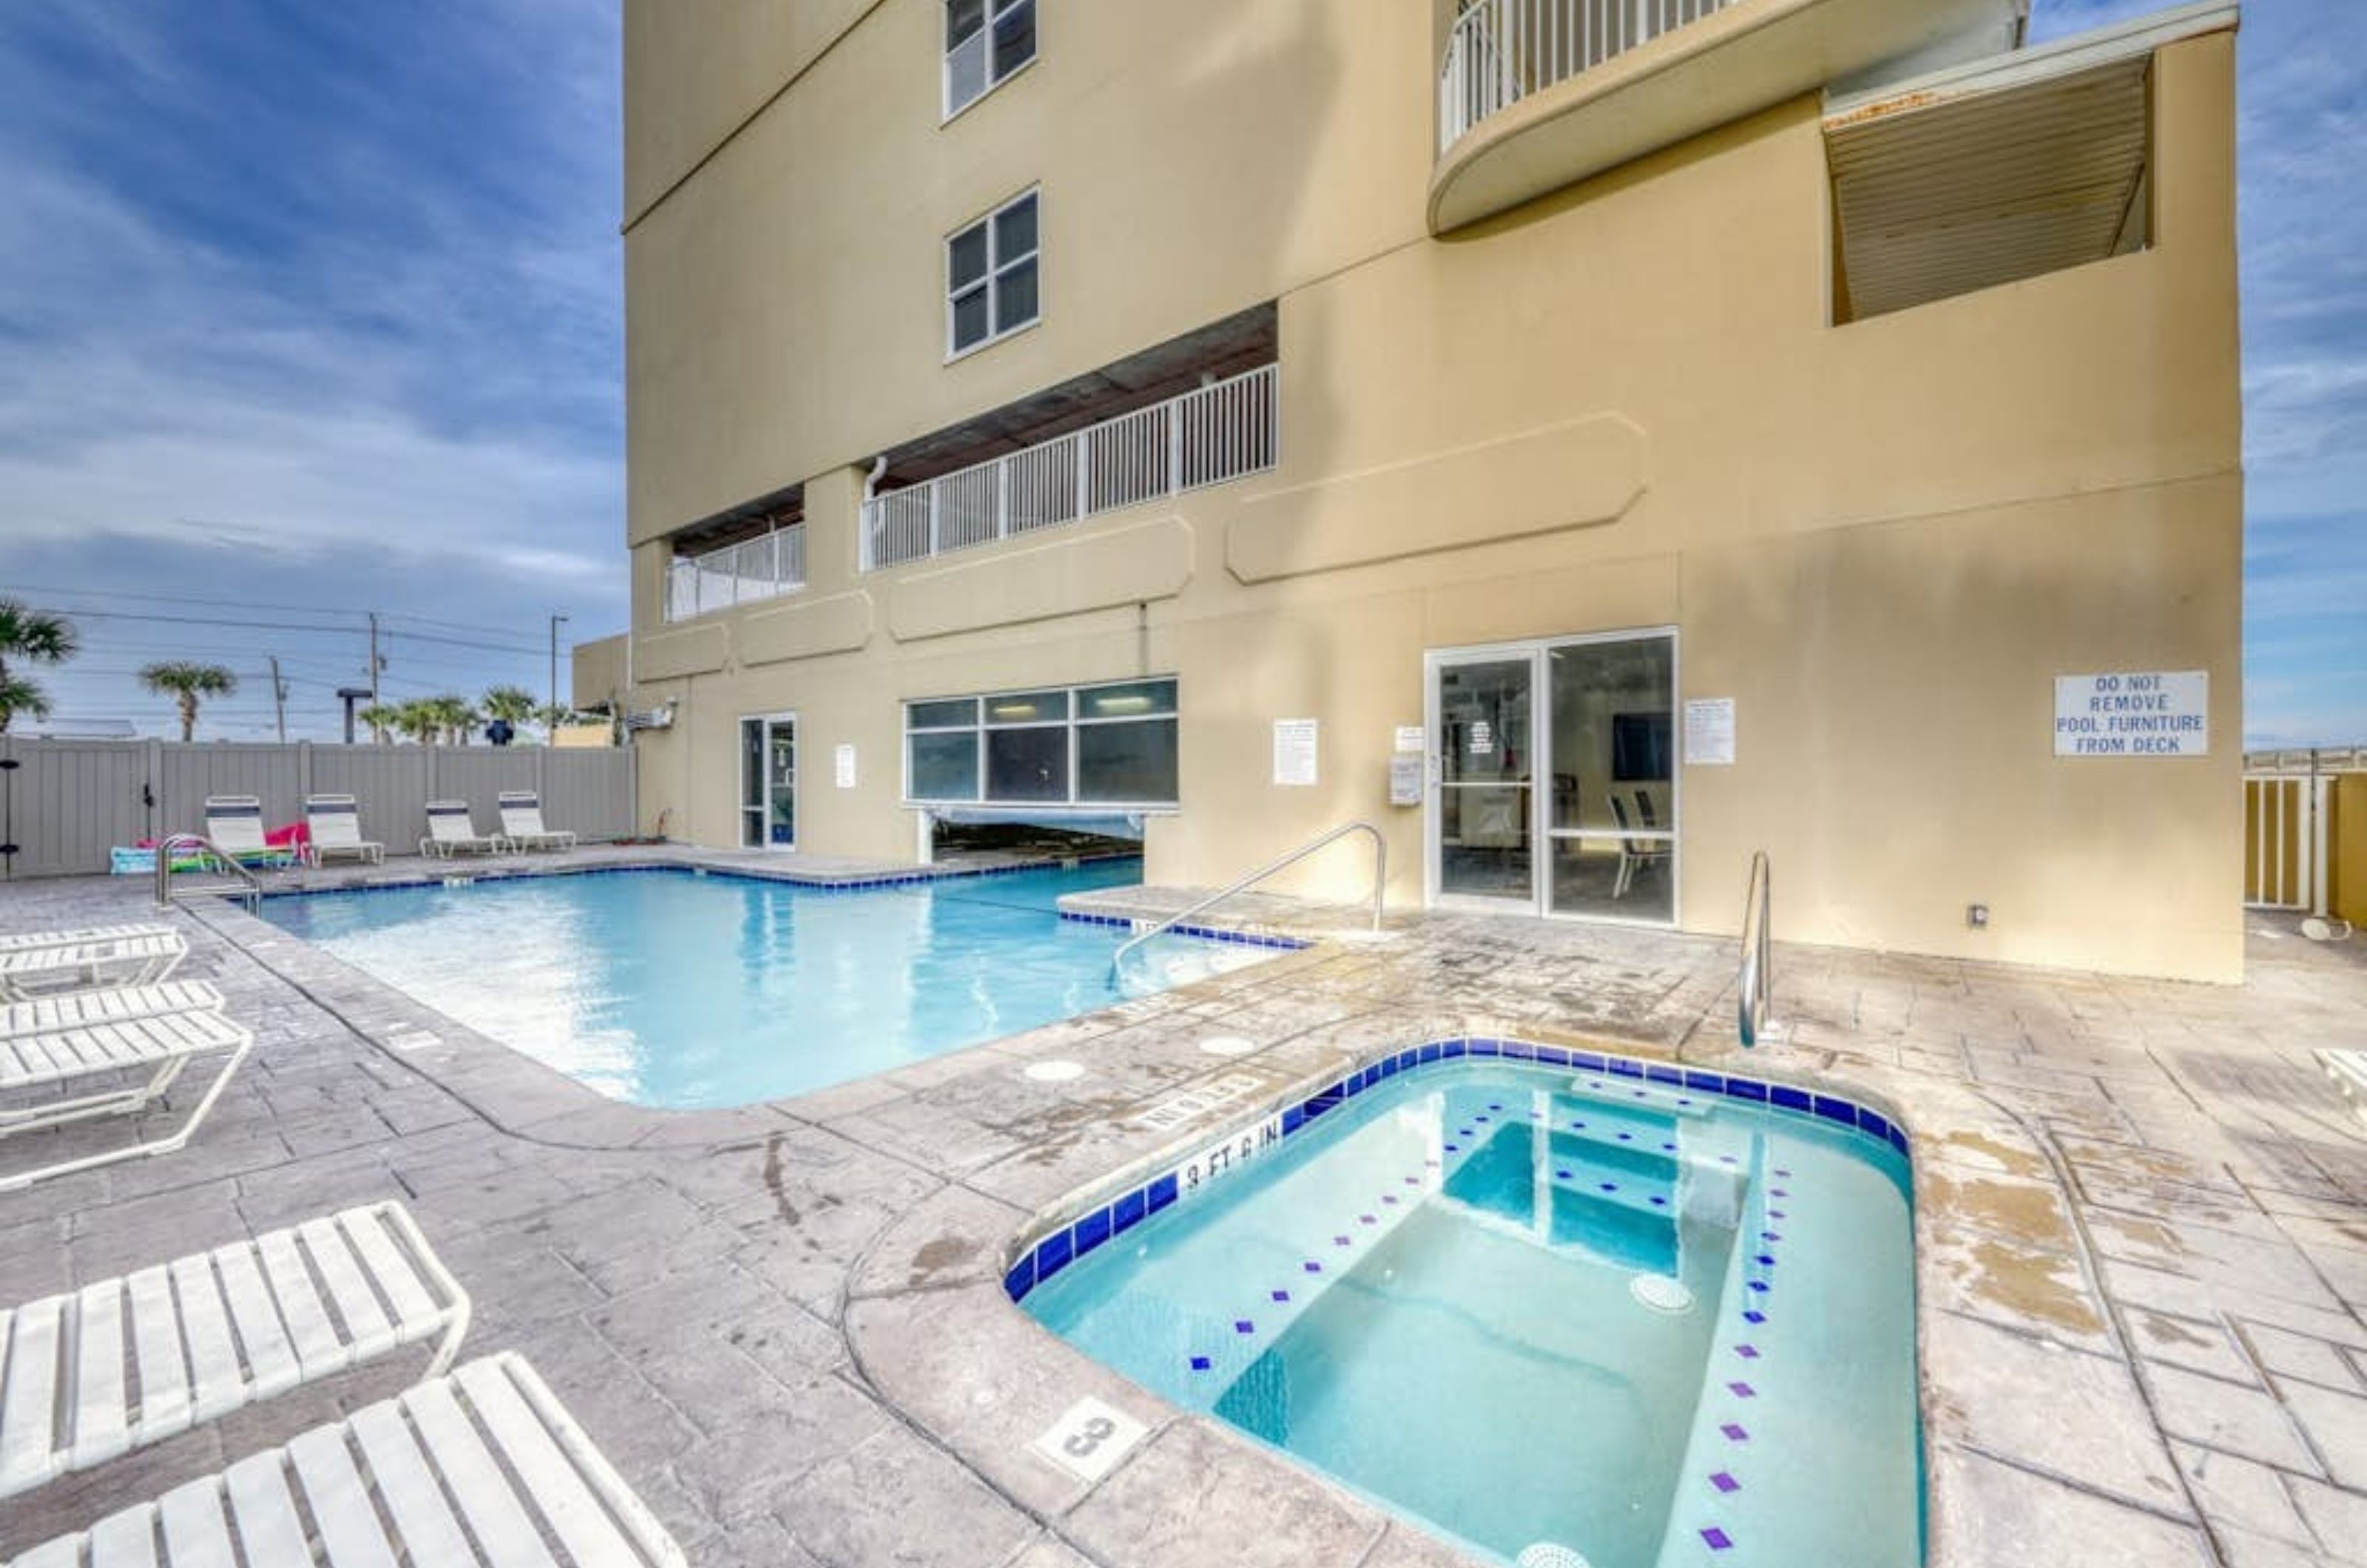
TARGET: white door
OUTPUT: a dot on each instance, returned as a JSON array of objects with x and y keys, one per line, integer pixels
[{"x": 768, "y": 782}]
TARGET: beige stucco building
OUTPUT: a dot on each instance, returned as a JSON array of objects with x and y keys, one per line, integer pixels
[{"x": 1636, "y": 432}]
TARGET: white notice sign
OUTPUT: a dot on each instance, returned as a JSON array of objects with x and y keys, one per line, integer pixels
[
  {"x": 1709, "y": 732},
  {"x": 1294, "y": 752},
  {"x": 844, "y": 759},
  {"x": 2161, "y": 714},
  {"x": 1410, "y": 738}
]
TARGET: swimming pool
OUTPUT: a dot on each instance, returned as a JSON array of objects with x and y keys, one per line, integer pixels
[
  {"x": 1564, "y": 1317},
  {"x": 680, "y": 989}
]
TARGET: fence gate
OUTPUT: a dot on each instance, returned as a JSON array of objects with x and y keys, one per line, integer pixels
[{"x": 2285, "y": 818}]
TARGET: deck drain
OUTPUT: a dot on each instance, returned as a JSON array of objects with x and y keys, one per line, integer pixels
[
  {"x": 1549, "y": 1555},
  {"x": 1662, "y": 1292},
  {"x": 1228, "y": 1045},
  {"x": 1056, "y": 1072}
]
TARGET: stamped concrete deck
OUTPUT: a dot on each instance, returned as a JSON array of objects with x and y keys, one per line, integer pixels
[{"x": 2143, "y": 1254}]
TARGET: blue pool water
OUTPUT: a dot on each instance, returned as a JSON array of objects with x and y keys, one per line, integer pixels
[
  {"x": 673, "y": 989},
  {"x": 1535, "y": 1308}
]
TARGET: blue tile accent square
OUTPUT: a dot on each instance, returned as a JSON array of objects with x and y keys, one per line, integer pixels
[
  {"x": 1052, "y": 1254},
  {"x": 1200, "y": 1363},
  {"x": 1553, "y": 1055},
  {"x": 1839, "y": 1111},
  {"x": 1162, "y": 1192},
  {"x": 1664, "y": 1074},
  {"x": 1294, "y": 1117},
  {"x": 1127, "y": 1212},
  {"x": 1408, "y": 1057},
  {"x": 1898, "y": 1139},
  {"x": 1091, "y": 1231},
  {"x": 1486, "y": 1048},
  {"x": 1243, "y": 1325},
  {"x": 1451, "y": 1050},
  {"x": 1586, "y": 1061},
  {"x": 1389, "y": 1069},
  {"x": 1429, "y": 1053},
  {"x": 1622, "y": 1068},
  {"x": 1516, "y": 1050},
  {"x": 1021, "y": 1279},
  {"x": 1790, "y": 1099},
  {"x": 1746, "y": 1089},
  {"x": 1280, "y": 1296},
  {"x": 1872, "y": 1123}
]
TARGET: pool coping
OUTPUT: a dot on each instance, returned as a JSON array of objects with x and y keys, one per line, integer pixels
[{"x": 1958, "y": 1137}]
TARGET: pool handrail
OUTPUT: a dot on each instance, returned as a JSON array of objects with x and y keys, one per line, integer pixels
[
  {"x": 247, "y": 887},
  {"x": 1380, "y": 883},
  {"x": 1754, "y": 982}
]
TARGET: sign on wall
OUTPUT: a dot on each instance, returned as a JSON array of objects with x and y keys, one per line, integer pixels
[
  {"x": 1709, "y": 732},
  {"x": 2133, "y": 714},
  {"x": 842, "y": 762},
  {"x": 1294, "y": 752}
]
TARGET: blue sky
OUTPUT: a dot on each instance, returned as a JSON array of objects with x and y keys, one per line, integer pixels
[{"x": 309, "y": 310}]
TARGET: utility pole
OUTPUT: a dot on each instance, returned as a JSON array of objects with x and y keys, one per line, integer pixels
[
  {"x": 279, "y": 700},
  {"x": 550, "y": 728},
  {"x": 375, "y": 660}
]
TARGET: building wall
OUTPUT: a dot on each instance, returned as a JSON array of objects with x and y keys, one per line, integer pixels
[{"x": 1621, "y": 406}]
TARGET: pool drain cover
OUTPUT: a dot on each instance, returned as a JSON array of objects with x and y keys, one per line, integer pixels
[
  {"x": 1549, "y": 1555},
  {"x": 1662, "y": 1292}
]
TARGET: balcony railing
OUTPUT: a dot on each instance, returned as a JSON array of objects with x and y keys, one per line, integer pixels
[
  {"x": 1208, "y": 436},
  {"x": 762, "y": 568},
  {"x": 1500, "y": 52}
]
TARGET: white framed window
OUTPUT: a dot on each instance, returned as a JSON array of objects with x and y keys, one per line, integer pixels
[
  {"x": 987, "y": 42},
  {"x": 993, "y": 282},
  {"x": 1107, "y": 745}
]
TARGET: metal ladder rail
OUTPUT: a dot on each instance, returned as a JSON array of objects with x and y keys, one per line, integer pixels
[
  {"x": 1754, "y": 982},
  {"x": 1380, "y": 883},
  {"x": 249, "y": 895}
]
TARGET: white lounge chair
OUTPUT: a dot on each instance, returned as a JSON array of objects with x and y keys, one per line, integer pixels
[
  {"x": 139, "y": 959},
  {"x": 451, "y": 831},
  {"x": 333, "y": 825},
  {"x": 213, "y": 1333},
  {"x": 20, "y": 941},
  {"x": 115, "y": 1004},
  {"x": 483, "y": 1466},
  {"x": 522, "y": 823},
  {"x": 49, "y": 1067},
  {"x": 235, "y": 823}
]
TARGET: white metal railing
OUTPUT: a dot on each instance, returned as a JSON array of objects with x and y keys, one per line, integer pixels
[
  {"x": 762, "y": 568},
  {"x": 1754, "y": 982},
  {"x": 1211, "y": 433},
  {"x": 244, "y": 885},
  {"x": 1280, "y": 862},
  {"x": 1499, "y": 52}
]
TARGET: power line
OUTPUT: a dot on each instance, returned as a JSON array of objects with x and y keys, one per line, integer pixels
[
  {"x": 293, "y": 627},
  {"x": 251, "y": 604}
]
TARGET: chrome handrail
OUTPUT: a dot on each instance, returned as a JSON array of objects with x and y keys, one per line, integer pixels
[
  {"x": 250, "y": 895},
  {"x": 1754, "y": 984},
  {"x": 1380, "y": 882}
]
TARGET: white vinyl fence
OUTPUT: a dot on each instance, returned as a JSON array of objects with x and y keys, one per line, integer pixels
[{"x": 65, "y": 804}]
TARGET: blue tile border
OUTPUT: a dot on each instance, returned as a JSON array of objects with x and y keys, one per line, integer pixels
[
  {"x": 474, "y": 872},
  {"x": 1046, "y": 1253},
  {"x": 1204, "y": 934}
]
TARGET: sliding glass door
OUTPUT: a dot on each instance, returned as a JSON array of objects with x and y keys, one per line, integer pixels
[{"x": 1553, "y": 772}]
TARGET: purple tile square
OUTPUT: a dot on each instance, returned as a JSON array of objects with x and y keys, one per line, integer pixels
[
  {"x": 1719, "y": 1540},
  {"x": 1200, "y": 1363},
  {"x": 1243, "y": 1325},
  {"x": 1742, "y": 1391},
  {"x": 1313, "y": 1266},
  {"x": 1747, "y": 1352},
  {"x": 1724, "y": 1482},
  {"x": 1754, "y": 1315},
  {"x": 1368, "y": 1219},
  {"x": 1282, "y": 1295},
  {"x": 1735, "y": 1433},
  {"x": 1339, "y": 1241}
]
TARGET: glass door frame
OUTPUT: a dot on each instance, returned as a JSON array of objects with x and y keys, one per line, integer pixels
[
  {"x": 1543, "y": 834},
  {"x": 762, "y": 810}
]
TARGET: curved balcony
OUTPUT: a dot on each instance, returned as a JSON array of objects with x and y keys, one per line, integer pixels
[{"x": 1535, "y": 95}]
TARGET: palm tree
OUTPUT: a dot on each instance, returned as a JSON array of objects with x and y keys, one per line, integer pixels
[
  {"x": 452, "y": 717},
  {"x": 417, "y": 720},
  {"x": 381, "y": 717},
  {"x": 512, "y": 705},
  {"x": 188, "y": 681},
  {"x": 35, "y": 636}
]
